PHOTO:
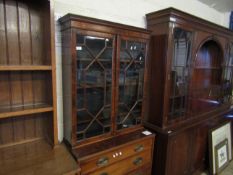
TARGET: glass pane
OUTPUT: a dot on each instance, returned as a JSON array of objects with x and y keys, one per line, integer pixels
[
  {"x": 131, "y": 78},
  {"x": 94, "y": 130},
  {"x": 94, "y": 81},
  {"x": 95, "y": 75},
  {"x": 104, "y": 118},
  {"x": 108, "y": 95},
  {"x": 84, "y": 57},
  {"x": 80, "y": 96},
  {"x": 227, "y": 82},
  {"x": 95, "y": 44},
  {"x": 180, "y": 72},
  {"x": 106, "y": 56},
  {"x": 95, "y": 99},
  {"x": 84, "y": 119},
  {"x": 229, "y": 57}
]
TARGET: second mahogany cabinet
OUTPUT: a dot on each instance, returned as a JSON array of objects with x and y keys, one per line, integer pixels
[
  {"x": 191, "y": 68},
  {"x": 104, "y": 81},
  {"x": 190, "y": 88}
]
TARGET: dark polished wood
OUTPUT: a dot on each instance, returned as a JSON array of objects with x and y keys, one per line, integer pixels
[
  {"x": 189, "y": 90},
  {"x": 105, "y": 129},
  {"x": 120, "y": 151}
]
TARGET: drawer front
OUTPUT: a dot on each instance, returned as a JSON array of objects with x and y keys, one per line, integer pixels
[
  {"x": 127, "y": 165},
  {"x": 115, "y": 155},
  {"x": 144, "y": 170}
]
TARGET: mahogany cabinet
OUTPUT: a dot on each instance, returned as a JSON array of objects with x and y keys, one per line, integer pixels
[
  {"x": 190, "y": 83},
  {"x": 104, "y": 89}
]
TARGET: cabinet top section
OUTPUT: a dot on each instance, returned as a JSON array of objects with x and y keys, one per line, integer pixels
[
  {"x": 180, "y": 17},
  {"x": 76, "y": 21}
]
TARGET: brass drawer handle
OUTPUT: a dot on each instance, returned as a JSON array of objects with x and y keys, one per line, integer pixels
[
  {"x": 104, "y": 173},
  {"x": 102, "y": 161},
  {"x": 139, "y": 148},
  {"x": 138, "y": 161}
]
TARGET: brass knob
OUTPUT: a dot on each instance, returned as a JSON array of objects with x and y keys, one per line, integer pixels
[
  {"x": 138, "y": 161},
  {"x": 139, "y": 148},
  {"x": 102, "y": 161}
]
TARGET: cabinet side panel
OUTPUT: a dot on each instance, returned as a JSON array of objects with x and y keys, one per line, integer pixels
[
  {"x": 160, "y": 154},
  {"x": 67, "y": 84},
  {"x": 157, "y": 79}
]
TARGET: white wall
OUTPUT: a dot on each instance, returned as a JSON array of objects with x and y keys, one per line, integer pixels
[{"x": 131, "y": 12}]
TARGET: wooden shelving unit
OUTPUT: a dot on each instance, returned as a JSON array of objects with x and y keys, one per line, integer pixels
[
  {"x": 25, "y": 68},
  {"x": 27, "y": 73},
  {"x": 25, "y": 112},
  {"x": 28, "y": 111}
]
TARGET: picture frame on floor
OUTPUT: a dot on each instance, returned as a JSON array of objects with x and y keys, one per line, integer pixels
[
  {"x": 221, "y": 155},
  {"x": 220, "y": 151}
]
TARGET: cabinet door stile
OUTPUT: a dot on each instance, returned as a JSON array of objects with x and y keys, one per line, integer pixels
[
  {"x": 115, "y": 83},
  {"x": 146, "y": 83},
  {"x": 167, "y": 72},
  {"x": 116, "y": 95},
  {"x": 74, "y": 85}
]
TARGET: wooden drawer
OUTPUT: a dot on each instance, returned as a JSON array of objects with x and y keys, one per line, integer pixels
[
  {"x": 92, "y": 163},
  {"x": 144, "y": 170},
  {"x": 126, "y": 165}
]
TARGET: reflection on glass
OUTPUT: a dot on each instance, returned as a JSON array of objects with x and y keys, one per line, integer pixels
[
  {"x": 180, "y": 72},
  {"x": 227, "y": 82},
  {"x": 131, "y": 77},
  {"x": 94, "y": 81}
]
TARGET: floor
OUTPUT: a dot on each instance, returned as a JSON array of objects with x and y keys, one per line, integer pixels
[
  {"x": 36, "y": 158},
  {"x": 227, "y": 171}
]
